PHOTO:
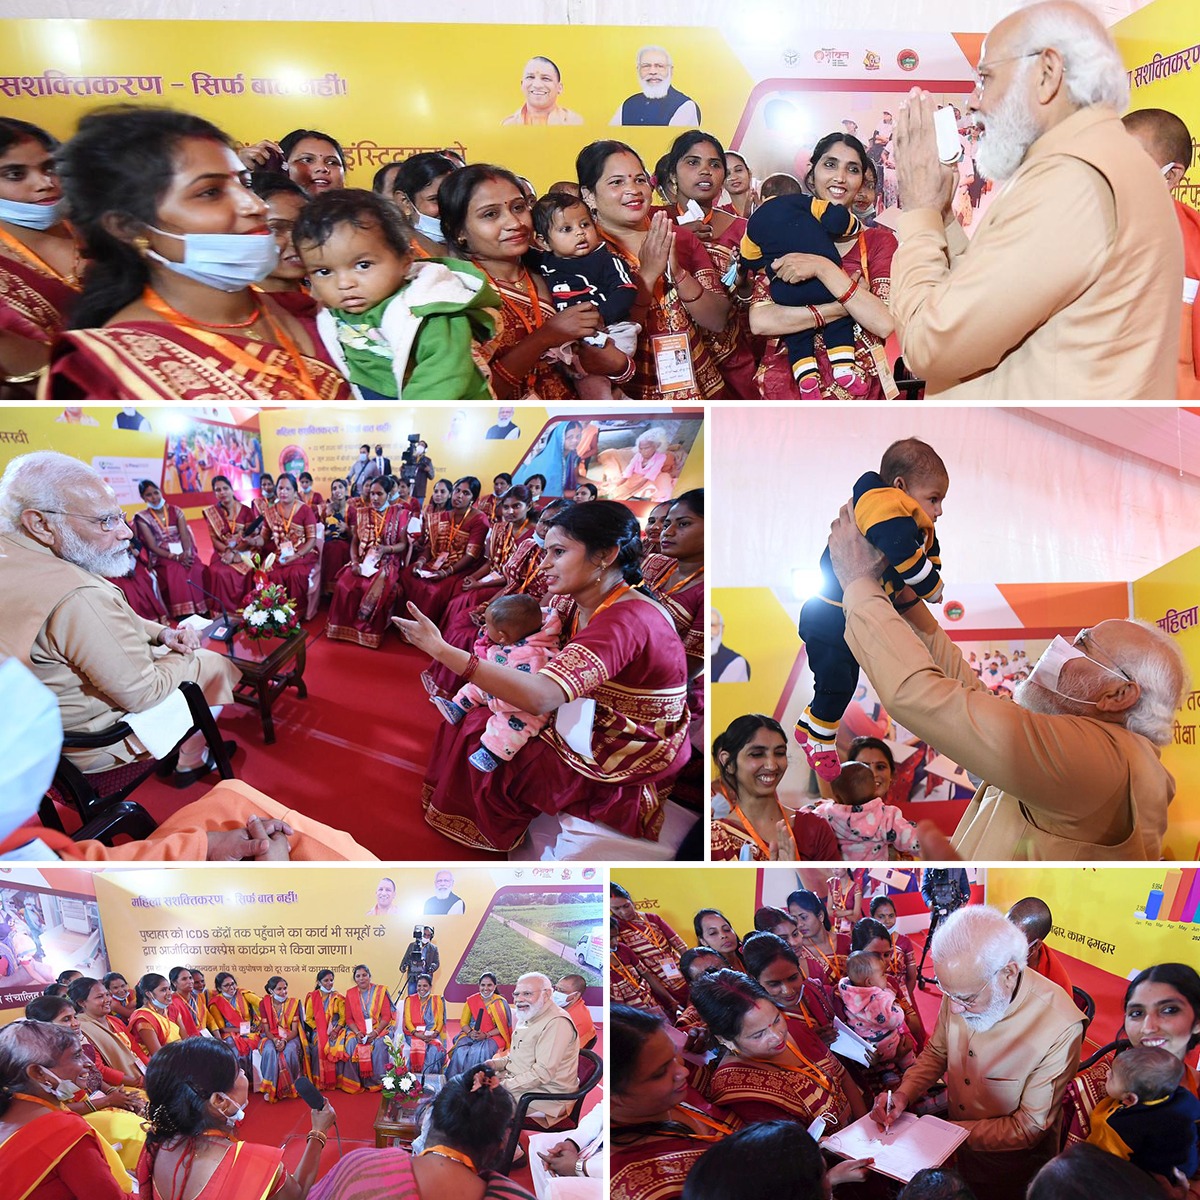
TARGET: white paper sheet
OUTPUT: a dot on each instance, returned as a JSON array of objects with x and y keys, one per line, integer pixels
[{"x": 910, "y": 1145}]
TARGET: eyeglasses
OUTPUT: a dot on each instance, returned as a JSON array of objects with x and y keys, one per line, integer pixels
[
  {"x": 981, "y": 81},
  {"x": 109, "y": 522},
  {"x": 1084, "y": 641},
  {"x": 967, "y": 1001}
]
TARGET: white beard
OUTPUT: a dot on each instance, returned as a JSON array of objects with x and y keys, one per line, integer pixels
[
  {"x": 1036, "y": 699},
  {"x": 981, "y": 1022},
  {"x": 658, "y": 91},
  {"x": 1007, "y": 135},
  {"x": 111, "y": 564},
  {"x": 534, "y": 1010}
]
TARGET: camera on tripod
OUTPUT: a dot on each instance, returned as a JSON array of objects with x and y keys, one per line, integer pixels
[{"x": 408, "y": 460}]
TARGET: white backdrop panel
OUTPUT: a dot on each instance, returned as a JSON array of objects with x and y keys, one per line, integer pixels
[{"x": 1031, "y": 500}]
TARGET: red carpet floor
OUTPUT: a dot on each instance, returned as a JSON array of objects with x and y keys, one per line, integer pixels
[
  {"x": 353, "y": 754},
  {"x": 286, "y": 1123}
]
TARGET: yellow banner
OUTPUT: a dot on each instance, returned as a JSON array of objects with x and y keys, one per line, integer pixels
[
  {"x": 1167, "y": 598},
  {"x": 256, "y": 922}
]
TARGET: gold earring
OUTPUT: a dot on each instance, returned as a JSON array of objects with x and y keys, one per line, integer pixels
[{"x": 141, "y": 243}]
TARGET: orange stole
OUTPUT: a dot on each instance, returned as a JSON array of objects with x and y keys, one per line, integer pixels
[
  {"x": 232, "y": 1018},
  {"x": 379, "y": 1009},
  {"x": 271, "y": 1019},
  {"x": 181, "y": 1013}
]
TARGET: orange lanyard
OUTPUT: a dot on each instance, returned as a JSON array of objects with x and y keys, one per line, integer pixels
[
  {"x": 766, "y": 853},
  {"x": 832, "y": 969},
  {"x": 656, "y": 937},
  {"x": 862, "y": 254},
  {"x": 38, "y": 1100},
  {"x": 36, "y": 260},
  {"x": 165, "y": 522},
  {"x": 377, "y": 522},
  {"x": 683, "y": 583},
  {"x": 287, "y": 521},
  {"x": 535, "y": 566},
  {"x": 449, "y": 1152},
  {"x": 809, "y": 1070},
  {"x": 722, "y": 1130},
  {"x": 455, "y": 529},
  {"x": 535, "y": 306},
  {"x": 228, "y": 524},
  {"x": 608, "y": 600},
  {"x": 626, "y": 973},
  {"x": 299, "y": 373}
]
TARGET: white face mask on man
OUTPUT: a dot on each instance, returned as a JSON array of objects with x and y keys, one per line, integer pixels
[
  {"x": 1049, "y": 667},
  {"x": 30, "y": 743}
]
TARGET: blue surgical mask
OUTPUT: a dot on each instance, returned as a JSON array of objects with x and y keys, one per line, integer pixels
[
  {"x": 226, "y": 261},
  {"x": 159, "y": 506},
  {"x": 539, "y": 541},
  {"x": 32, "y": 216},
  {"x": 431, "y": 227},
  {"x": 30, "y": 743}
]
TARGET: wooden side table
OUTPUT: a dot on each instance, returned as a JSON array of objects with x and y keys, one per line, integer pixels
[
  {"x": 268, "y": 667},
  {"x": 395, "y": 1123}
]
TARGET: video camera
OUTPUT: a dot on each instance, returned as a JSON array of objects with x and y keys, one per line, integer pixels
[{"x": 408, "y": 460}]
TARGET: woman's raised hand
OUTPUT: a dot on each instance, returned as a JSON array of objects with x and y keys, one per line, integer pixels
[
  {"x": 658, "y": 249},
  {"x": 257, "y": 156},
  {"x": 420, "y": 631}
]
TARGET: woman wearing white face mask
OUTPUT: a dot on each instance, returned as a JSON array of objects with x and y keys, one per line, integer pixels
[
  {"x": 45, "y": 1150},
  {"x": 198, "y": 1096},
  {"x": 414, "y": 188},
  {"x": 40, "y": 266},
  {"x": 150, "y": 1025},
  {"x": 175, "y": 239},
  {"x": 325, "y": 1015},
  {"x": 163, "y": 529}
]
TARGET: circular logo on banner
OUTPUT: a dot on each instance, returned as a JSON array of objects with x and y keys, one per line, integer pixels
[
  {"x": 293, "y": 460},
  {"x": 954, "y": 610},
  {"x": 907, "y": 60}
]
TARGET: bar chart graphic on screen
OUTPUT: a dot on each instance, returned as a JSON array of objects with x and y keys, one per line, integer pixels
[{"x": 1177, "y": 900}]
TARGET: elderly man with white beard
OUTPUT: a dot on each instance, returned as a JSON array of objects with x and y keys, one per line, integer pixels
[
  {"x": 1071, "y": 770},
  {"x": 544, "y": 1056},
  {"x": 63, "y": 536},
  {"x": 659, "y": 102},
  {"x": 1069, "y": 287},
  {"x": 1007, "y": 1044}
]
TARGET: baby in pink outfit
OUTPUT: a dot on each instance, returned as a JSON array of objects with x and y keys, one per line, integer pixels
[
  {"x": 516, "y": 633},
  {"x": 864, "y": 826},
  {"x": 872, "y": 1011}
]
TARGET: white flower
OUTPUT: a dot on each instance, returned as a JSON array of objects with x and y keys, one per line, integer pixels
[
  {"x": 256, "y": 618},
  {"x": 281, "y": 615},
  {"x": 389, "y": 1082}
]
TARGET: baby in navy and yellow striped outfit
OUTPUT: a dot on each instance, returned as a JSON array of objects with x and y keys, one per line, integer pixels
[{"x": 895, "y": 510}]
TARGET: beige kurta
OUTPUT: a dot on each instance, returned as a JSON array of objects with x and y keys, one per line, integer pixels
[
  {"x": 1005, "y": 1085},
  {"x": 1055, "y": 787},
  {"x": 78, "y": 635},
  {"x": 1068, "y": 290},
  {"x": 544, "y": 1058}
]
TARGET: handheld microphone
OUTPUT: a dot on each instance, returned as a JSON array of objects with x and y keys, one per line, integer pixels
[
  {"x": 307, "y": 1092},
  {"x": 254, "y": 525},
  {"x": 222, "y": 629}
]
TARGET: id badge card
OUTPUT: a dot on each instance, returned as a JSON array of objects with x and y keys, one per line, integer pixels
[
  {"x": 670, "y": 970},
  {"x": 175, "y": 547},
  {"x": 370, "y": 1026},
  {"x": 884, "y": 371},
  {"x": 438, "y": 563},
  {"x": 287, "y": 550},
  {"x": 414, "y": 524},
  {"x": 673, "y": 362},
  {"x": 244, "y": 1028},
  {"x": 280, "y": 1033}
]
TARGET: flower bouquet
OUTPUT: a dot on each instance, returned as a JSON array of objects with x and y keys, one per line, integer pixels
[
  {"x": 268, "y": 612},
  {"x": 401, "y": 1088}
]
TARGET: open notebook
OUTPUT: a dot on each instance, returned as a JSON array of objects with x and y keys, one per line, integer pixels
[{"x": 911, "y": 1144}]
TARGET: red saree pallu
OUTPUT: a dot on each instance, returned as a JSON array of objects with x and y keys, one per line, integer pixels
[
  {"x": 229, "y": 582},
  {"x": 156, "y": 360},
  {"x": 247, "y": 1172},
  {"x": 326, "y": 1016},
  {"x": 802, "y": 1084},
  {"x": 278, "y": 1082},
  {"x": 182, "y": 588},
  {"x": 638, "y": 678},
  {"x": 464, "y": 614},
  {"x": 360, "y": 1070},
  {"x": 30, "y": 1155},
  {"x": 430, "y": 1016},
  {"x": 452, "y": 537},
  {"x": 33, "y": 304},
  {"x": 230, "y": 1020},
  {"x": 164, "y": 1029},
  {"x": 292, "y": 527},
  {"x": 190, "y": 1021},
  {"x": 361, "y": 606}
]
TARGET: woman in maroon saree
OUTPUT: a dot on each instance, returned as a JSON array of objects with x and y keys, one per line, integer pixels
[
  {"x": 620, "y": 651},
  {"x": 362, "y": 603},
  {"x": 39, "y": 257},
  {"x": 163, "y": 530},
  {"x": 138, "y": 587},
  {"x": 157, "y": 318},
  {"x": 451, "y": 547},
  {"x": 290, "y": 533},
  {"x": 464, "y": 617},
  {"x": 229, "y": 576},
  {"x": 335, "y": 515}
]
